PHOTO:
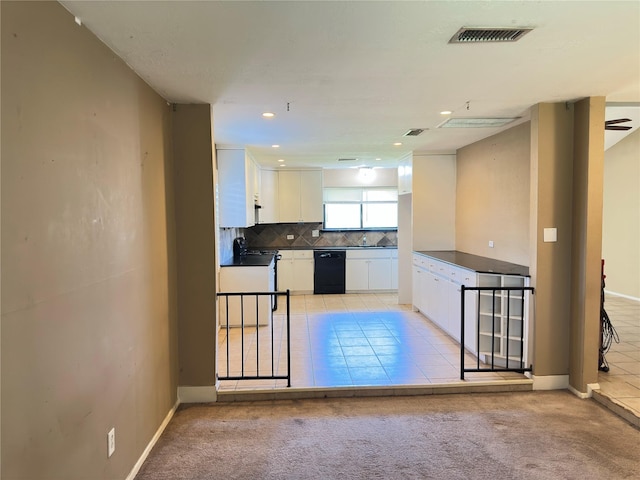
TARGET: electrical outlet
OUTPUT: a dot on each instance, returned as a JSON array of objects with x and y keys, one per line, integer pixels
[
  {"x": 111, "y": 441},
  {"x": 290, "y": 237},
  {"x": 315, "y": 233},
  {"x": 490, "y": 243}
]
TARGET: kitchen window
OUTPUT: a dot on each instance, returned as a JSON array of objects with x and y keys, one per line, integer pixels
[{"x": 360, "y": 208}]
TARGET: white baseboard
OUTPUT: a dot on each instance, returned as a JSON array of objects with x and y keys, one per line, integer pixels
[
  {"x": 145, "y": 454},
  {"x": 550, "y": 382},
  {"x": 197, "y": 394},
  {"x": 616, "y": 294},
  {"x": 588, "y": 394}
]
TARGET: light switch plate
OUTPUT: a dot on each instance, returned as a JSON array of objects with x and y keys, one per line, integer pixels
[{"x": 550, "y": 235}]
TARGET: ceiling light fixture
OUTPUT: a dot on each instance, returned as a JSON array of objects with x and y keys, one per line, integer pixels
[
  {"x": 268, "y": 115},
  {"x": 280, "y": 160},
  {"x": 467, "y": 122},
  {"x": 446, "y": 112},
  {"x": 397, "y": 144},
  {"x": 275, "y": 146}
]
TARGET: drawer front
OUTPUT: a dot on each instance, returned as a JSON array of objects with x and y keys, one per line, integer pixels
[
  {"x": 286, "y": 254},
  {"x": 466, "y": 277},
  {"x": 420, "y": 261},
  {"x": 439, "y": 268},
  {"x": 368, "y": 253},
  {"x": 303, "y": 254}
]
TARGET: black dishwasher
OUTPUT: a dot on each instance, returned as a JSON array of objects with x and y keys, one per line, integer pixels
[{"x": 328, "y": 272}]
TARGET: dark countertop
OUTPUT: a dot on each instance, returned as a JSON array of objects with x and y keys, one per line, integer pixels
[
  {"x": 477, "y": 263},
  {"x": 352, "y": 247},
  {"x": 250, "y": 261}
]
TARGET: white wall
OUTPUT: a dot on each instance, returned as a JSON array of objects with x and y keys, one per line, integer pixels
[
  {"x": 350, "y": 177},
  {"x": 621, "y": 217},
  {"x": 493, "y": 196},
  {"x": 434, "y": 202}
]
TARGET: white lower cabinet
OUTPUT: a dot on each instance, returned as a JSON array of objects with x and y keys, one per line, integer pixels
[
  {"x": 295, "y": 271},
  {"x": 419, "y": 299},
  {"x": 394, "y": 269},
  {"x": 501, "y": 316},
  {"x": 367, "y": 269},
  {"x": 370, "y": 269},
  {"x": 245, "y": 279}
]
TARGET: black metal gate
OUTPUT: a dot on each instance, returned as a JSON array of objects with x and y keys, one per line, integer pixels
[
  {"x": 499, "y": 355},
  {"x": 239, "y": 363}
]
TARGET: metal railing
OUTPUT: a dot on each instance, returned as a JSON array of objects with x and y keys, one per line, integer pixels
[
  {"x": 500, "y": 335},
  {"x": 240, "y": 365}
]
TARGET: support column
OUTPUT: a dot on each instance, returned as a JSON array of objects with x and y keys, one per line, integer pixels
[
  {"x": 550, "y": 262},
  {"x": 195, "y": 245},
  {"x": 588, "y": 179}
]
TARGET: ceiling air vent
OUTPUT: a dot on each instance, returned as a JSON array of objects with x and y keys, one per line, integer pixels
[
  {"x": 487, "y": 35},
  {"x": 414, "y": 132},
  {"x": 347, "y": 159}
]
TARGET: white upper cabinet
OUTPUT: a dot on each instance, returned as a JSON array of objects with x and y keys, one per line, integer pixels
[
  {"x": 405, "y": 174},
  {"x": 268, "y": 198},
  {"x": 300, "y": 196},
  {"x": 236, "y": 183},
  {"x": 311, "y": 196}
]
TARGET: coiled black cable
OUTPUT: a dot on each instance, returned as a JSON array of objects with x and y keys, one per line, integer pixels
[{"x": 609, "y": 335}]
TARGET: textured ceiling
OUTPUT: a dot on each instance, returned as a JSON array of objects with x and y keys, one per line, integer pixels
[{"x": 348, "y": 78}]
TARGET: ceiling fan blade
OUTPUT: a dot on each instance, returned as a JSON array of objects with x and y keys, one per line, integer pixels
[
  {"x": 617, "y": 120},
  {"x": 616, "y": 127}
]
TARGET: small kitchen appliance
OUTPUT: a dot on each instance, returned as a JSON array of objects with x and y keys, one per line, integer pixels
[{"x": 239, "y": 247}]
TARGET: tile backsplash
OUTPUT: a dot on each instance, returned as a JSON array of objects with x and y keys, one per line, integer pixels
[{"x": 274, "y": 236}]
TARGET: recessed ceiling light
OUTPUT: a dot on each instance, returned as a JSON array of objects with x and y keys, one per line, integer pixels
[
  {"x": 282, "y": 165},
  {"x": 275, "y": 146},
  {"x": 397, "y": 144},
  {"x": 446, "y": 112},
  {"x": 280, "y": 160},
  {"x": 268, "y": 115},
  {"x": 378, "y": 159}
]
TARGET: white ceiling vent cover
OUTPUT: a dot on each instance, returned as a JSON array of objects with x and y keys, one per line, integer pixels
[
  {"x": 468, "y": 122},
  {"x": 489, "y": 35}
]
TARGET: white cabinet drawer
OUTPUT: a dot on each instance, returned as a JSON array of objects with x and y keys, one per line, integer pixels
[
  {"x": 420, "y": 261},
  {"x": 368, "y": 253},
  {"x": 286, "y": 254},
  {"x": 439, "y": 268},
  {"x": 462, "y": 276},
  {"x": 466, "y": 277},
  {"x": 297, "y": 254}
]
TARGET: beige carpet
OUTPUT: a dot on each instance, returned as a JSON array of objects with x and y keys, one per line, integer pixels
[{"x": 537, "y": 435}]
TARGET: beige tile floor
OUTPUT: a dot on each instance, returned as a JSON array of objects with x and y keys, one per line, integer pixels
[
  {"x": 348, "y": 340},
  {"x": 621, "y": 383}
]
